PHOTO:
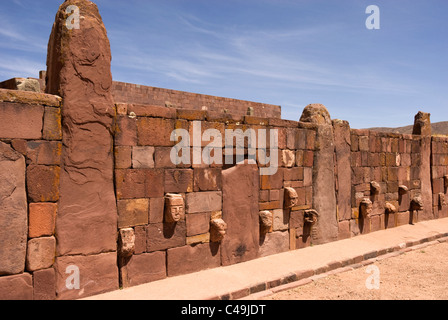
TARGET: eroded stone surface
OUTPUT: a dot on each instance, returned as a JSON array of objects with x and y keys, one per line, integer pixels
[
  {"x": 78, "y": 70},
  {"x": 13, "y": 211}
]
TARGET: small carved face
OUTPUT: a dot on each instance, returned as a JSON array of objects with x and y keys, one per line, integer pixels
[
  {"x": 291, "y": 198},
  {"x": 127, "y": 242},
  {"x": 417, "y": 204},
  {"x": 366, "y": 208},
  {"x": 174, "y": 208},
  {"x": 402, "y": 189},
  {"x": 375, "y": 187},
  {"x": 266, "y": 220},
  {"x": 311, "y": 216},
  {"x": 390, "y": 208},
  {"x": 218, "y": 230}
]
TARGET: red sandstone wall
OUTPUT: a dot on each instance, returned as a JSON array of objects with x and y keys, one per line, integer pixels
[
  {"x": 138, "y": 94},
  {"x": 30, "y": 131}
]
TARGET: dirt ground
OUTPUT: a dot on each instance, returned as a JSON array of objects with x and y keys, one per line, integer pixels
[{"x": 421, "y": 274}]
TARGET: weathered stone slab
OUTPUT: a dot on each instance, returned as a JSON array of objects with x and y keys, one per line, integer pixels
[
  {"x": 87, "y": 217},
  {"x": 97, "y": 274},
  {"x": 144, "y": 268},
  {"x": 197, "y": 202},
  {"x": 324, "y": 197},
  {"x": 17, "y": 287},
  {"x": 40, "y": 253},
  {"x": 274, "y": 242},
  {"x": 13, "y": 211},
  {"x": 189, "y": 259},
  {"x": 240, "y": 212}
]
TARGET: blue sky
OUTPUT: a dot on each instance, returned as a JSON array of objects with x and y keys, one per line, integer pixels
[{"x": 285, "y": 52}]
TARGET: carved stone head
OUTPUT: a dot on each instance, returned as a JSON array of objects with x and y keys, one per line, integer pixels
[
  {"x": 174, "y": 208},
  {"x": 366, "y": 208},
  {"x": 291, "y": 198},
  {"x": 375, "y": 187},
  {"x": 402, "y": 189},
  {"x": 218, "y": 229},
  {"x": 417, "y": 204},
  {"x": 311, "y": 216},
  {"x": 266, "y": 220},
  {"x": 126, "y": 242},
  {"x": 442, "y": 200},
  {"x": 390, "y": 208}
]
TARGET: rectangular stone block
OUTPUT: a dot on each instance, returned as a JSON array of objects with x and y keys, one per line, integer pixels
[
  {"x": 131, "y": 213},
  {"x": 43, "y": 183},
  {"x": 178, "y": 181},
  {"x": 189, "y": 259},
  {"x": 162, "y": 236},
  {"x": 198, "y": 223},
  {"x": 123, "y": 157},
  {"x": 142, "y": 157},
  {"x": 162, "y": 158},
  {"x": 42, "y": 218},
  {"x": 144, "y": 268},
  {"x": 44, "y": 283},
  {"x": 207, "y": 179},
  {"x": 17, "y": 287},
  {"x": 139, "y": 183},
  {"x": 281, "y": 220},
  {"x": 274, "y": 181},
  {"x": 140, "y": 239},
  {"x": 198, "y": 202},
  {"x": 21, "y": 121},
  {"x": 156, "y": 210},
  {"x": 344, "y": 230},
  {"x": 126, "y": 132},
  {"x": 155, "y": 132},
  {"x": 273, "y": 243},
  {"x": 96, "y": 274},
  {"x": 40, "y": 253},
  {"x": 52, "y": 127},
  {"x": 44, "y": 152}
]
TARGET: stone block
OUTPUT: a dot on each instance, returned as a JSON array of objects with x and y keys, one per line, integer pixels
[
  {"x": 200, "y": 238},
  {"x": 139, "y": 183},
  {"x": 140, "y": 239},
  {"x": 43, "y": 152},
  {"x": 198, "y": 223},
  {"x": 273, "y": 243},
  {"x": 21, "y": 121},
  {"x": 162, "y": 236},
  {"x": 96, "y": 274},
  {"x": 18, "y": 287},
  {"x": 42, "y": 218},
  {"x": 123, "y": 157},
  {"x": 13, "y": 211},
  {"x": 144, "y": 268},
  {"x": 207, "y": 179},
  {"x": 155, "y": 132},
  {"x": 198, "y": 202},
  {"x": 288, "y": 158},
  {"x": 162, "y": 158},
  {"x": 344, "y": 230},
  {"x": 193, "y": 258},
  {"x": 52, "y": 124},
  {"x": 274, "y": 181},
  {"x": 40, "y": 253},
  {"x": 126, "y": 131},
  {"x": 44, "y": 283},
  {"x": 133, "y": 212},
  {"x": 156, "y": 210},
  {"x": 142, "y": 157},
  {"x": 178, "y": 181},
  {"x": 43, "y": 183}
]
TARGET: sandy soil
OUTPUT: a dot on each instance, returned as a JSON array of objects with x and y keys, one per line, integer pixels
[{"x": 421, "y": 274}]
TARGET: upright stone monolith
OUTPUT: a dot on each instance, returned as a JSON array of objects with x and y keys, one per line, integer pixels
[
  {"x": 422, "y": 127},
  {"x": 324, "y": 196},
  {"x": 78, "y": 70}
]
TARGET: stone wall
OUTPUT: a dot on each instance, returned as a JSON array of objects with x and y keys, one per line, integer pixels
[
  {"x": 30, "y": 156},
  {"x": 138, "y": 94},
  {"x": 91, "y": 200}
]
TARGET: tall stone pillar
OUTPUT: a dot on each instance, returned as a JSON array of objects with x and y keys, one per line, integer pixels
[
  {"x": 324, "y": 195},
  {"x": 78, "y": 70},
  {"x": 422, "y": 127}
]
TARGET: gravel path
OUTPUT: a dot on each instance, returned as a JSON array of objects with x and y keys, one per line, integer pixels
[{"x": 421, "y": 274}]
